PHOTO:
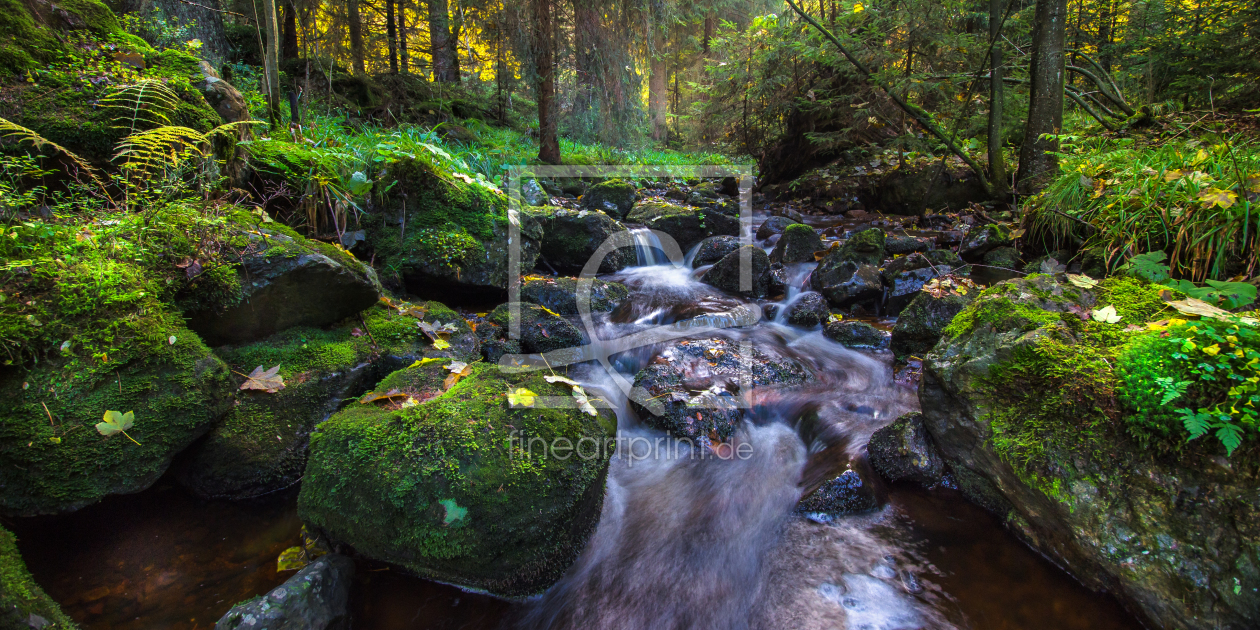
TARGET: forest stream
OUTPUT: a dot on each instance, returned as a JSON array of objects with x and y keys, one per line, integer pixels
[{"x": 686, "y": 539}]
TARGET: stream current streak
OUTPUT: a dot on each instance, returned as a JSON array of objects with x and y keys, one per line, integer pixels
[{"x": 686, "y": 541}]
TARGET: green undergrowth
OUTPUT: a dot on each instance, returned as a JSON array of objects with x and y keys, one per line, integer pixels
[
  {"x": 20, "y": 596},
  {"x": 438, "y": 488}
]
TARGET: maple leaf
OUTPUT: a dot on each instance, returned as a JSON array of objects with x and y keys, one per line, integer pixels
[
  {"x": 1084, "y": 282},
  {"x": 459, "y": 370},
  {"x": 441, "y": 344},
  {"x": 268, "y": 381},
  {"x": 372, "y": 397},
  {"x": 1217, "y": 197},
  {"x": 583, "y": 401},
  {"x": 117, "y": 422},
  {"x": 521, "y": 398},
  {"x": 1106, "y": 314},
  {"x": 1052, "y": 266}
]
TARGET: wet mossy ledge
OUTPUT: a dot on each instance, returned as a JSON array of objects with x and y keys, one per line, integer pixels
[
  {"x": 1031, "y": 397},
  {"x": 23, "y": 604},
  {"x": 445, "y": 486}
]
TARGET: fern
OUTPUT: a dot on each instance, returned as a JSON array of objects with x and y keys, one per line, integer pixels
[
  {"x": 147, "y": 104},
  {"x": 17, "y": 133},
  {"x": 144, "y": 152}
]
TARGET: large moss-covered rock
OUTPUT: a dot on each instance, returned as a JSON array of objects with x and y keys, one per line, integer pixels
[
  {"x": 865, "y": 247},
  {"x": 452, "y": 488},
  {"x": 615, "y": 197},
  {"x": 798, "y": 244},
  {"x": 285, "y": 280},
  {"x": 559, "y": 295},
  {"x": 59, "y": 464},
  {"x": 696, "y": 382},
  {"x": 571, "y": 237},
  {"x": 440, "y": 235},
  {"x": 725, "y": 273},
  {"x": 920, "y": 324},
  {"x": 260, "y": 447},
  {"x": 1021, "y": 397},
  {"x": 687, "y": 225},
  {"x": 23, "y": 604},
  {"x": 541, "y": 330},
  {"x": 35, "y": 33}
]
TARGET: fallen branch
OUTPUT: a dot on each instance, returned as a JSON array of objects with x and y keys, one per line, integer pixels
[
  {"x": 1089, "y": 110},
  {"x": 1102, "y": 88}
]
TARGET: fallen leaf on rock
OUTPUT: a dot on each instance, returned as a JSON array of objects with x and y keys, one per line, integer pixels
[
  {"x": 117, "y": 422},
  {"x": 1191, "y": 306},
  {"x": 560, "y": 379},
  {"x": 583, "y": 401},
  {"x": 268, "y": 381},
  {"x": 372, "y": 397},
  {"x": 1052, "y": 266},
  {"x": 1082, "y": 281},
  {"x": 459, "y": 370},
  {"x": 1106, "y": 314},
  {"x": 521, "y": 398}
]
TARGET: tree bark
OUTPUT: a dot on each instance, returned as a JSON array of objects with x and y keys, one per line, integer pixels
[
  {"x": 1045, "y": 107},
  {"x": 544, "y": 66},
  {"x": 289, "y": 41},
  {"x": 442, "y": 44},
  {"x": 997, "y": 168},
  {"x": 271, "y": 61},
  {"x": 658, "y": 88},
  {"x": 586, "y": 41},
  {"x": 356, "y": 37},
  {"x": 404, "y": 60},
  {"x": 391, "y": 36}
]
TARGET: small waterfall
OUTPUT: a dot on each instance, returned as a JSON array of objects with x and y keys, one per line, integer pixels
[{"x": 647, "y": 248}]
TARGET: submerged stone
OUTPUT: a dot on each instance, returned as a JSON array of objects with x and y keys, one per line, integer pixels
[
  {"x": 904, "y": 450},
  {"x": 317, "y": 597},
  {"x": 457, "y": 488}
]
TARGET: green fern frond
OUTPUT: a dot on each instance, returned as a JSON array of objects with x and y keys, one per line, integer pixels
[
  {"x": 17, "y": 133},
  {"x": 148, "y": 103},
  {"x": 145, "y": 152}
]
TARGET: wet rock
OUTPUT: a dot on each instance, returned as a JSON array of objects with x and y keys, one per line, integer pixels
[
  {"x": 981, "y": 239},
  {"x": 676, "y": 194},
  {"x": 906, "y": 275},
  {"x": 725, "y": 273},
  {"x": 713, "y": 249},
  {"x": 541, "y": 330},
  {"x": 23, "y": 604},
  {"x": 614, "y": 197},
  {"x": 810, "y": 309},
  {"x": 770, "y": 311},
  {"x": 778, "y": 279},
  {"x": 436, "y": 487},
  {"x": 495, "y": 343},
  {"x": 573, "y": 187},
  {"x": 845, "y": 282},
  {"x": 560, "y": 294},
  {"x": 317, "y": 597},
  {"x": 260, "y": 445},
  {"x": 571, "y": 237},
  {"x": 920, "y": 324},
  {"x": 845, "y": 494},
  {"x": 855, "y": 334},
  {"x": 904, "y": 450},
  {"x": 773, "y": 225},
  {"x": 865, "y": 247},
  {"x": 696, "y": 382},
  {"x": 285, "y": 280},
  {"x": 1170, "y": 535},
  {"x": 730, "y": 186},
  {"x": 894, "y": 245},
  {"x": 1004, "y": 257},
  {"x": 533, "y": 194},
  {"x": 687, "y": 226},
  {"x": 798, "y": 244}
]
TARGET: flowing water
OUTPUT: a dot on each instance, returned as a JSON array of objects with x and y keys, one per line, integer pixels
[{"x": 687, "y": 539}]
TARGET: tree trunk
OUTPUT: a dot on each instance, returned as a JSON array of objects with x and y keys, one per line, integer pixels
[
  {"x": 1104, "y": 35},
  {"x": 404, "y": 61},
  {"x": 544, "y": 51},
  {"x": 443, "y": 46},
  {"x": 271, "y": 61},
  {"x": 356, "y": 37},
  {"x": 708, "y": 35},
  {"x": 289, "y": 41},
  {"x": 586, "y": 36},
  {"x": 658, "y": 88},
  {"x": 391, "y": 36},
  {"x": 997, "y": 168},
  {"x": 1045, "y": 107}
]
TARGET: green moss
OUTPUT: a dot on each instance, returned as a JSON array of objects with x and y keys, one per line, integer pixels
[
  {"x": 20, "y": 596},
  {"x": 995, "y": 309},
  {"x": 29, "y": 42},
  {"x": 379, "y": 478}
]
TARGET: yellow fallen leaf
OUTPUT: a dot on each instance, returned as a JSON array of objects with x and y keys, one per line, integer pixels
[
  {"x": 268, "y": 381},
  {"x": 521, "y": 398}
]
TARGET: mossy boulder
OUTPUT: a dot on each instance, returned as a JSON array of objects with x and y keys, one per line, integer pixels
[
  {"x": 696, "y": 382},
  {"x": 865, "y": 247},
  {"x": 725, "y": 273},
  {"x": 894, "y": 245},
  {"x": 773, "y": 225},
  {"x": 614, "y": 197},
  {"x": 23, "y": 604},
  {"x": 983, "y": 239},
  {"x": 1006, "y": 258},
  {"x": 855, "y": 334},
  {"x": 541, "y": 330},
  {"x": 920, "y": 324},
  {"x": 798, "y": 244},
  {"x": 809, "y": 310},
  {"x": 60, "y": 464},
  {"x": 457, "y": 488},
  {"x": 713, "y": 249},
  {"x": 260, "y": 447},
  {"x": 439, "y": 235},
  {"x": 285, "y": 280},
  {"x": 1023, "y": 398},
  {"x": 37, "y": 32},
  {"x": 559, "y": 295},
  {"x": 905, "y": 276},
  {"x": 687, "y": 226},
  {"x": 904, "y": 450},
  {"x": 571, "y": 237},
  {"x": 845, "y": 282}
]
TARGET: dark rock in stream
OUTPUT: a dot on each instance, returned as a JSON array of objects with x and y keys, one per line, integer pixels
[
  {"x": 571, "y": 238},
  {"x": 919, "y": 326},
  {"x": 906, "y": 275},
  {"x": 285, "y": 280},
  {"x": 981, "y": 239},
  {"x": 615, "y": 197},
  {"x": 1008, "y": 258},
  {"x": 725, "y": 274},
  {"x": 855, "y": 334},
  {"x": 845, "y": 494},
  {"x": 560, "y": 294},
  {"x": 1171, "y": 527},
  {"x": 894, "y": 245},
  {"x": 904, "y": 450},
  {"x": 845, "y": 282},
  {"x": 712, "y": 249},
  {"x": 809, "y": 310},
  {"x": 798, "y": 244},
  {"x": 774, "y": 225},
  {"x": 316, "y": 598},
  {"x": 541, "y": 330},
  {"x": 695, "y": 381},
  {"x": 865, "y": 247},
  {"x": 687, "y": 226}
]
